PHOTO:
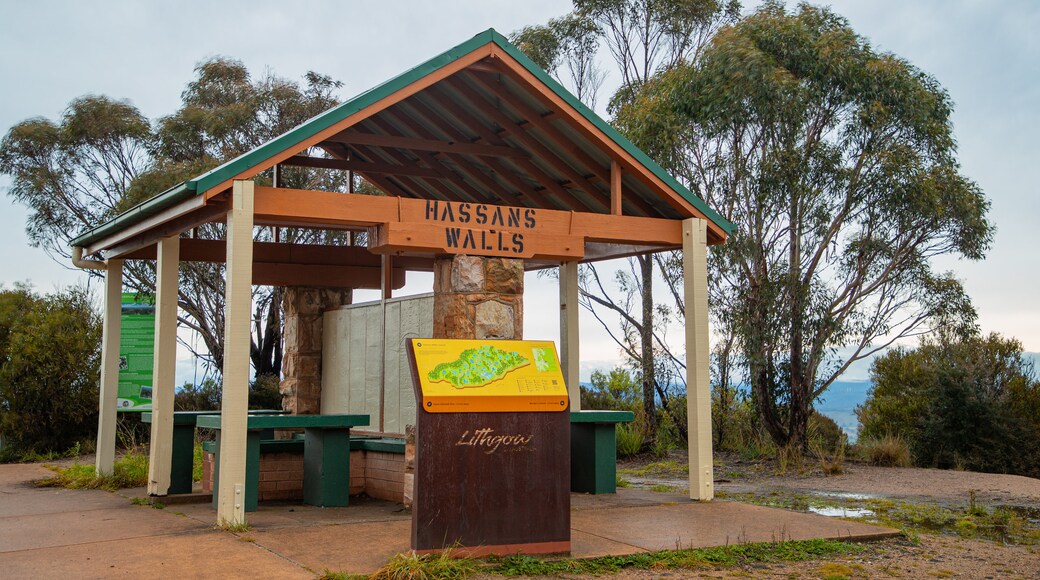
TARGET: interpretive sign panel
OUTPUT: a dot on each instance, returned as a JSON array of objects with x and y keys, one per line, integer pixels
[
  {"x": 492, "y": 473},
  {"x": 136, "y": 352},
  {"x": 489, "y": 376}
]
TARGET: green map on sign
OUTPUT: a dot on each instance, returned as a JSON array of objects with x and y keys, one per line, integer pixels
[{"x": 478, "y": 367}]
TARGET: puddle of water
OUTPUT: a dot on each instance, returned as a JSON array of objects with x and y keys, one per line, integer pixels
[
  {"x": 841, "y": 512},
  {"x": 844, "y": 495}
]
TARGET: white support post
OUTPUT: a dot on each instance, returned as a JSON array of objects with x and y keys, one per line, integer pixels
[
  {"x": 698, "y": 387},
  {"x": 569, "y": 341},
  {"x": 237, "y": 321},
  {"x": 110, "y": 331},
  {"x": 164, "y": 366}
]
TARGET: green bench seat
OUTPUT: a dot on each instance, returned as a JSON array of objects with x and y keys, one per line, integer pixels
[{"x": 594, "y": 450}]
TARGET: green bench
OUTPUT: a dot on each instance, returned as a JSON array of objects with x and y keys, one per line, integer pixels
[
  {"x": 182, "y": 453},
  {"x": 594, "y": 450},
  {"x": 326, "y": 455}
]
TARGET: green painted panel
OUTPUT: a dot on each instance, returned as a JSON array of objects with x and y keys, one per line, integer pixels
[{"x": 602, "y": 416}]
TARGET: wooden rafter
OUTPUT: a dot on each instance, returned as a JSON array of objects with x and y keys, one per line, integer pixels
[
  {"x": 360, "y": 166},
  {"x": 464, "y": 164},
  {"x": 563, "y": 199},
  {"x": 353, "y": 137},
  {"x": 520, "y": 134}
]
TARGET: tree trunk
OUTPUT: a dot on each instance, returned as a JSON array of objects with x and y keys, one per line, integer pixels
[{"x": 646, "y": 331}]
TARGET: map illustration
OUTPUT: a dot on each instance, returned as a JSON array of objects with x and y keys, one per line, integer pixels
[{"x": 477, "y": 367}]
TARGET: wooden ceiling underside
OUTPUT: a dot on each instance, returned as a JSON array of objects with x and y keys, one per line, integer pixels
[{"x": 478, "y": 136}]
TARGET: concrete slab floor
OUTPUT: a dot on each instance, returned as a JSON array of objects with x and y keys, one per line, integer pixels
[{"x": 96, "y": 534}]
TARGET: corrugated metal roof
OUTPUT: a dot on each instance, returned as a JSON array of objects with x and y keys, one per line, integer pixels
[{"x": 501, "y": 142}]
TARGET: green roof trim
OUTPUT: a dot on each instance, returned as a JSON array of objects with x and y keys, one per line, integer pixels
[{"x": 336, "y": 114}]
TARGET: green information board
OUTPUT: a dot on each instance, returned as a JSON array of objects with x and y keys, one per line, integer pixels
[{"x": 136, "y": 352}]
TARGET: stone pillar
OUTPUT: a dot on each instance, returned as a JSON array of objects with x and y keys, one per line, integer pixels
[
  {"x": 301, "y": 355},
  {"x": 478, "y": 298}
]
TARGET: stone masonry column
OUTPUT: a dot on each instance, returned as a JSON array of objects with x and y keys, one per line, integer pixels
[
  {"x": 475, "y": 298},
  {"x": 301, "y": 356}
]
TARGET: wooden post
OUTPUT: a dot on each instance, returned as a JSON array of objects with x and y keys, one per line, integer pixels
[
  {"x": 569, "y": 342},
  {"x": 235, "y": 396},
  {"x": 698, "y": 387},
  {"x": 110, "y": 331},
  {"x": 164, "y": 367}
]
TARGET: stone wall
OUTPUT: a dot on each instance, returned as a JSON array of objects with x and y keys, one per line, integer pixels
[
  {"x": 301, "y": 359},
  {"x": 478, "y": 298}
]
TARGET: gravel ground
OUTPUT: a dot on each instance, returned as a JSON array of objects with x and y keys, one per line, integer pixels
[{"x": 933, "y": 556}]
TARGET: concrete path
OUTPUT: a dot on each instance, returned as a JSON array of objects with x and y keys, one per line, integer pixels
[{"x": 49, "y": 533}]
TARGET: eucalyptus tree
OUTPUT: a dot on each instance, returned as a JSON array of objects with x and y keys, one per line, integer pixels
[
  {"x": 838, "y": 165},
  {"x": 641, "y": 38},
  {"x": 103, "y": 156}
]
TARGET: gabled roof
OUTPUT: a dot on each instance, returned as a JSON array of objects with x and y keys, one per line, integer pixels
[{"x": 480, "y": 122}]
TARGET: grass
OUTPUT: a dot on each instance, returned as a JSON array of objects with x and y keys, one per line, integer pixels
[
  {"x": 196, "y": 463},
  {"x": 666, "y": 468},
  {"x": 888, "y": 451},
  {"x": 414, "y": 567},
  {"x": 234, "y": 528},
  {"x": 130, "y": 470}
]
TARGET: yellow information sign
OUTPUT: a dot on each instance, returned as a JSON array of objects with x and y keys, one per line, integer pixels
[{"x": 469, "y": 376}]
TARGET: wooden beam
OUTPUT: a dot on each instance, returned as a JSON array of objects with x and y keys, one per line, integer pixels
[
  {"x": 698, "y": 386},
  {"x": 425, "y": 237},
  {"x": 615, "y": 188},
  {"x": 345, "y": 209},
  {"x": 215, "y": 211},
  {"x": 234, "y": 400},
  {"x": 418, "y": 144},
  {"x": 190, "y": 206},
  {"x": 105, "y": 450},
  {"x": 164, "y": 366},
  {"x": 570, "y": 354},
  {"x": 325, "y": 276},
  {"x": 361, "y": 166}
]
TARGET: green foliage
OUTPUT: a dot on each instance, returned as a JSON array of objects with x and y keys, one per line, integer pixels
[
  {"x": 971, "y": 405},
  {"x": 613, "y": 391},
  {"x": 204, "y": 396},
  {"x": 838, "y": 166},
  {"x": 629, "y": 439},
  {"x": 130, "y": 470},
  {"x": 49, "y": 369}
]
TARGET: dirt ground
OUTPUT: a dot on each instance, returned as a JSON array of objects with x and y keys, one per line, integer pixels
[{"x": 939, "y": 554}]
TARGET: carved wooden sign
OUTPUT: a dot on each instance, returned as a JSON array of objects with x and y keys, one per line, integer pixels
[
  {"x": 489, "y": 482},
  {"x": 479, "y": 229}
]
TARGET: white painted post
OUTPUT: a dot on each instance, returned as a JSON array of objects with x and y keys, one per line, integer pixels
[
  {"x": 237, "y": 321},
  {"x": 110, "y": 331},
  {"x": 698, "y": 386},
  {"x": 164, "y": 366},
  {"x": 569, "y": 341}
]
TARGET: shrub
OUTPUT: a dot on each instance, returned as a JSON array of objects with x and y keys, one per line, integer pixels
[
  {"x": 887, "y": 451},
  {"x": 49, "y": 369},
  {"x": 629, "y": 439}
]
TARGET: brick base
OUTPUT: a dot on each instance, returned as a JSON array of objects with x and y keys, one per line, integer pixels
[{"x": 375, "y": 473}]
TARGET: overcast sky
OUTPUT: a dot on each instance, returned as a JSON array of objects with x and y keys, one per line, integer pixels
[{"x": 986, "y": 54}]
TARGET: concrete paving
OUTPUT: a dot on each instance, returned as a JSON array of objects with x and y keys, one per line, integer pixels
[{"x": 48, "y": 533}]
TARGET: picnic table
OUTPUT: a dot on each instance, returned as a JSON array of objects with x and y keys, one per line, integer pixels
[
  {"x": 326, "y": 455},
  {"x": 594, "y": 450},
  {"x": 182, "y": 454}
]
